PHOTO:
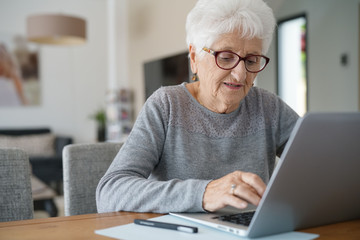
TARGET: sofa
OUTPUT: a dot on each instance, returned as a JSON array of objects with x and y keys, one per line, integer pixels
[{"x": 44, "y": 149}]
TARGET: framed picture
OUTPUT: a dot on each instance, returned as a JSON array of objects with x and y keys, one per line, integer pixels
[{"x": 19, "y": 72}]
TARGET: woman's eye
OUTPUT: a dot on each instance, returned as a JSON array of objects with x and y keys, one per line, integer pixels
[
  {"x": 251, "y": 60},
  {"x": 226, "y": 57}
]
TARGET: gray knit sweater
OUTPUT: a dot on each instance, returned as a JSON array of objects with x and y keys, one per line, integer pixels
[{"x": 177, "y": 146}]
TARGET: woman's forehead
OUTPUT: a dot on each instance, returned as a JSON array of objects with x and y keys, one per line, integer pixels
[{"x": 235, "y": 42}]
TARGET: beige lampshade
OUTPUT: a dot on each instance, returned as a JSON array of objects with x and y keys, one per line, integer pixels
[{"x": 56, "y": 29}]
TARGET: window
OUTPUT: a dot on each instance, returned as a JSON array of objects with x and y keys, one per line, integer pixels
[{"x": 292, "y": 62}]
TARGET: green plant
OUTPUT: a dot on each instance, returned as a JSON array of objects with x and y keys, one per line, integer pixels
[{"x": 100, "y": 117}]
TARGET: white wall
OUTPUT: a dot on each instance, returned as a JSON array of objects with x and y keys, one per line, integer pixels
[
  {"x": 73, "y": 79},
  {"x": 333, "y": 29},
  {"x": 156, "y": 29}
]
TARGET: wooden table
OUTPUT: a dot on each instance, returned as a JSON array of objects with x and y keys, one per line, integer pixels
[{"x": 83, "y": 226}]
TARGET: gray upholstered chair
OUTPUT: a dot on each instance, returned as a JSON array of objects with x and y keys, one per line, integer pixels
[
  {"x": 15, "y": 188},
  {"x": 84, "y": 165}
]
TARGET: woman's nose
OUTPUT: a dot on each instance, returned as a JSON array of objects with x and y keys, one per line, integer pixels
[{"x": 239, "y": 72}]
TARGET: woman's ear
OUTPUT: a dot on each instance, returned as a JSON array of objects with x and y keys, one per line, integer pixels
[{"x": 192, "y": 56}]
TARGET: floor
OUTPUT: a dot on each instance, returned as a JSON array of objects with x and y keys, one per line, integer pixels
[{"x": 59, "y": 201}]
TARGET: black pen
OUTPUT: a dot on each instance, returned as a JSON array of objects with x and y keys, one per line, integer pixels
[{"x": 177, "y": 227}]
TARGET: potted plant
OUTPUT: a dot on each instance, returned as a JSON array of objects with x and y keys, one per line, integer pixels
[{"x": 100, "y": 118}]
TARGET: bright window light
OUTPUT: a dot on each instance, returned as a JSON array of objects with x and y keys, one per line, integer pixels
[{"x": 292, "y": 82}]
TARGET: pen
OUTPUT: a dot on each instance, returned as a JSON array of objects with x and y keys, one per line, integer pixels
[{"x": 182, "y": 228}]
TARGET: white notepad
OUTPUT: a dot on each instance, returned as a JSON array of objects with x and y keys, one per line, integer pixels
[{"x": 135, "y": 232}]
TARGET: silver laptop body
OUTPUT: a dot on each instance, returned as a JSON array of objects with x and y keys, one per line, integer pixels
[{"x": 316, "y": 182}]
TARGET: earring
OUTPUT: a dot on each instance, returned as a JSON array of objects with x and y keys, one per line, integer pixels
[{"x": 194, "y": 77}]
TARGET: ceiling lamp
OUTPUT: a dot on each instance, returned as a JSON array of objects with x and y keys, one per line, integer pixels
[{"x": 56, "y": 29}]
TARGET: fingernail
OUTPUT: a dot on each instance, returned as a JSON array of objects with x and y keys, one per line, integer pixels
[{"x": 243, "y": 205}]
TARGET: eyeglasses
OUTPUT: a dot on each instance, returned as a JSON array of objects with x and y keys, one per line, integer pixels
[{"x": 228, "y": 60}]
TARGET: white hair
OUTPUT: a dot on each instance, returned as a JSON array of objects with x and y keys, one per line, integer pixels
[{"x": 209, "y": 19}]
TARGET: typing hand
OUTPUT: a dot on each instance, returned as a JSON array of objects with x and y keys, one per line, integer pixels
[{"x": 236, "y": 189}]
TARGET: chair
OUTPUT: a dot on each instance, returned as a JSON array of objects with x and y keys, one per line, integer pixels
[
  {"x": 15, "y": 188},
  {"x": 43, "y": 197},
  {"x": 84, "y": 165},
  {"x": 47, "y": 166}
]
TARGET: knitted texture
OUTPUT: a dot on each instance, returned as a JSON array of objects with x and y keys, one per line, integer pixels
[
  {"x": 15, "y": 187},
  {"x": 177, "y": 147}
]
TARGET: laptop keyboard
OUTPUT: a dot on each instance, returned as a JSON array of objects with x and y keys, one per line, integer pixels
[{"x": 243, "y": 218}]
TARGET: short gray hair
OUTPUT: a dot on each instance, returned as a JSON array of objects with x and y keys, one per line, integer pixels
[{"x": 211, "y": 18}]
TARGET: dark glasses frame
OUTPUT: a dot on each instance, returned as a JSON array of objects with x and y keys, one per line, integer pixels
[{"x": 216, "y": 53}]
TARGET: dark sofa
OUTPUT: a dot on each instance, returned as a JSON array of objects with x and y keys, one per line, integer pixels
[{"x": 48, "y": 169}]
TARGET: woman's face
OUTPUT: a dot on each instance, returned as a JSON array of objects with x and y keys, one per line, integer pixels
[{"x": 222, "y": 90}]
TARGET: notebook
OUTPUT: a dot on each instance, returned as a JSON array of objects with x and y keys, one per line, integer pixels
[{"x": 316, "y": 181}]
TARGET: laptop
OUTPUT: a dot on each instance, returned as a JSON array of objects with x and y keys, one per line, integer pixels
[{"x": 316, "y": 181}]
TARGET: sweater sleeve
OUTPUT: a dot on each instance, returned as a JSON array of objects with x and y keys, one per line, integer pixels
[{"x": 126, "y": 185}]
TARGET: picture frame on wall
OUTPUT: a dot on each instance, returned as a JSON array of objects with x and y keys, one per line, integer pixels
[{"x": 19, "y": 72}]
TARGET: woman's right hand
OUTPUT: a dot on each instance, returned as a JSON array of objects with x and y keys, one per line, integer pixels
[{"x": 236, "y": 189}]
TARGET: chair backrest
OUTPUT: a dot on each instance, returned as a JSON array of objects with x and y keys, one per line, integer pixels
[
  {"x": 15, "y": 187},
  {"x": 84, "y": 165}
]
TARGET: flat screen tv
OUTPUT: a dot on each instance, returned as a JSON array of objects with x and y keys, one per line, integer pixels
[{"x": 166, "y": 71}]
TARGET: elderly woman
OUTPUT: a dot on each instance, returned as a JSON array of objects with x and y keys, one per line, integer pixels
[{"x": 204, "y": 145}]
